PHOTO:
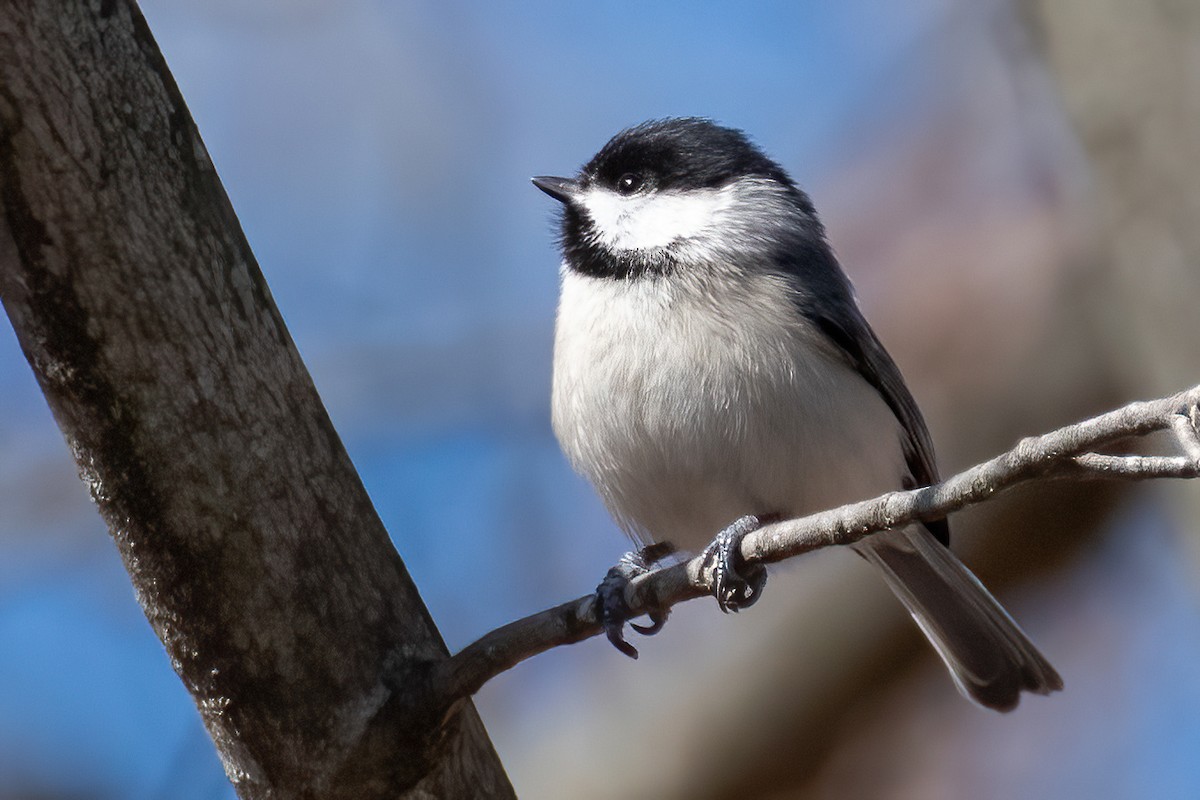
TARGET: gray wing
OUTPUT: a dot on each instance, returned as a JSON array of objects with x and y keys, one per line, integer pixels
[
  {"x": 991, "y": 659},
  {"x": 837, "y": 316}
]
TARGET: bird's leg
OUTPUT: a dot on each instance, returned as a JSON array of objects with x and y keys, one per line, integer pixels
[
  {"x": 736, "y": 584},
  {"x": 610, "y": 595}
]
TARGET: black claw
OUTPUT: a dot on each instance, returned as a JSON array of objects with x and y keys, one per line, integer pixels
[
  {"x": 610, "y": 594},
  {"x": 657, "y": 620},
  {"x": 617, "y": 636},
  {"x": 736, "y": 584}
]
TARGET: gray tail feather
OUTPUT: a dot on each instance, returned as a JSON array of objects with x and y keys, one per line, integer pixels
[{"x": 989, "y": 657}]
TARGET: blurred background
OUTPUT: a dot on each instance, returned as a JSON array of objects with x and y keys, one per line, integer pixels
[{"x": 1013, "y": 186}]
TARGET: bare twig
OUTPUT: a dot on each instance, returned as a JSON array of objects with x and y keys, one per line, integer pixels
[
  {"x": 1137, "y": 467},
  {"x": 1187, "y": 431},
  {"x": 1065, "y": 453}
]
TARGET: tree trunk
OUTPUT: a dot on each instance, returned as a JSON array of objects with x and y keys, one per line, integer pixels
[{"x": 250, "y": 541}]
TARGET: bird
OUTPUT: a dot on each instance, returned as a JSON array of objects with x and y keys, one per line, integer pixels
[{"x": 713, "y": 372}]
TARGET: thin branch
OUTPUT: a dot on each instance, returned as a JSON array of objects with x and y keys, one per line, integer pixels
[
  {"x": 1187, "y": 431},
  {"x": 1137, "y": 467},
  {"x": 1065, "y": 453}
]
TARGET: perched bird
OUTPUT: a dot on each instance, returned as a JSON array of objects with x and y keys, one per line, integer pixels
[{"x": 712, "y": 371}]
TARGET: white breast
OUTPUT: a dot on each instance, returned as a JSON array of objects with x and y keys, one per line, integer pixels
[{"x": 688, "y": 407}]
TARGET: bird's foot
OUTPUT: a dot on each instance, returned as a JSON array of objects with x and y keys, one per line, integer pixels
[
  {"x": 736, "y": 584},
  {"x": 610, "y": 596}
]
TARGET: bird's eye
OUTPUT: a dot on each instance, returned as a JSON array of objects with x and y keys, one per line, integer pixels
[{"x": 629, "y": 183}]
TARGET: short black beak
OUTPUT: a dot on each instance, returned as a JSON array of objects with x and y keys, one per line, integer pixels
[{"x": 563, "y": 190}]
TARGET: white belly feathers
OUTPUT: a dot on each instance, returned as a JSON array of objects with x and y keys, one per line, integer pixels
[{"x": 688, "y": 408}]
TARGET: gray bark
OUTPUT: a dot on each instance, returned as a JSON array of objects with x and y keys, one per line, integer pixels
[{"x": 249, "y": 539}]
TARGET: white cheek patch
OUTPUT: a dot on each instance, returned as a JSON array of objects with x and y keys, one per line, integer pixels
[{"x": 648, "y": 221}]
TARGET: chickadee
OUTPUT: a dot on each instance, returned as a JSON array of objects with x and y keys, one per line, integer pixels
[{"x": 712, "y": 371}]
